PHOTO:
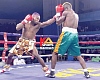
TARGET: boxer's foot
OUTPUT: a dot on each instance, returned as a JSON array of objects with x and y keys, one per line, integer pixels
[
  {"x": 46, "y": 70},
  {"x": 5, "y": 68},
  {"x": 51, "y": 75},
  {"x": 86, "y": 74}
]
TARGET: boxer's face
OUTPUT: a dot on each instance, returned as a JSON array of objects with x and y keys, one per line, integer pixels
[{"x": 36, "y": 18}]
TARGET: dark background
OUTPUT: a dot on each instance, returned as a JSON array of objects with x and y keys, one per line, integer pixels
[{"x": 18, "y": 9}]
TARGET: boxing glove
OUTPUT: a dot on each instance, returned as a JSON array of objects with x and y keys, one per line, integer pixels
[
  {"x": 59, "y": 10},
  {"x": 27, "y": 19}
]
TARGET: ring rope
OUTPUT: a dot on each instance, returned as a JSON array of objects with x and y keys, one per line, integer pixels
[
  {"x": 89, "y": 47},
  {"x": 16, "y": 34},
  {"x": 81, "y": 42},
  {"x": 14, "y": 42},
  {"x": 89, "y": 42},
  {"x": 51, "y": 55}
]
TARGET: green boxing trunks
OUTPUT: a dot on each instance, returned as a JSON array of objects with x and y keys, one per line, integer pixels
[{"x": 68, "y": 42}]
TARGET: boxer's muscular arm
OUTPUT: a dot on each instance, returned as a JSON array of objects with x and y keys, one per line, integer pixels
[
  {"x": 48, "y": 22},
  {"x": 26, "y": 20},
  {"x": 61, "y": 19},
  {"x": 19, "y": 26}
]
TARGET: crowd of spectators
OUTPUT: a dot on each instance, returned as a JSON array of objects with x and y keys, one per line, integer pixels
[
  {"x": 8, "y": 27},
  {"x": 87, "y": 39},
  {"x": 95, "y": 51},
  {"x": 88, "y": 28}
]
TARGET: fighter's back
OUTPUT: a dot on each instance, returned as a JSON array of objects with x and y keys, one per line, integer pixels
[{"x": 71, "y": 20}]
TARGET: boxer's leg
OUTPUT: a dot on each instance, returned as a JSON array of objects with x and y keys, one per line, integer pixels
[
  {"x": 8, "y": 63},
  {"x": 74, "y": 50},
  {"x": 9, "y": 59},
  {"x": 53, "y": 64},
  {"x": 60, "y": 47},
  {"x": 41, "y": 61},
  {"x": 83, "y": 64}
]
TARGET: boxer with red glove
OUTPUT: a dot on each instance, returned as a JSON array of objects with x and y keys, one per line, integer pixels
[
  {"x": 66, "y": 43},
  {"x": 59, "y": 10},
  {"x": 29, "y": 26},
  {"x": 27, "y": 19}
]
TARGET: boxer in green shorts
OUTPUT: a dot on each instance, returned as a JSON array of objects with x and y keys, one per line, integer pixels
[{"x": 68, "y": 40}]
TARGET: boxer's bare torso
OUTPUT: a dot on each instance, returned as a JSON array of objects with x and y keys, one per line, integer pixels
[
  {"x": 69, "y": 19},
  {"x": 30, "y": 29}
]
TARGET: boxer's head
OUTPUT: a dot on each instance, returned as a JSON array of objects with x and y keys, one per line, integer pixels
[
  {"x": 36, "y": 16},
  {"x": 67, "y": 6}
]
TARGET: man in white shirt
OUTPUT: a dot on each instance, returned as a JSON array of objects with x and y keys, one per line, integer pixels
[{"x": 19, "y": 61}]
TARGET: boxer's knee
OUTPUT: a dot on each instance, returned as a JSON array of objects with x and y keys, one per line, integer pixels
[
  {"x": 9, "y": 59},
  {"x": 36, "y": 55},
  {"x": 80, "y": 58},
  {"x": 10, "y": 55},
  {"x": 54, "y": 53}
]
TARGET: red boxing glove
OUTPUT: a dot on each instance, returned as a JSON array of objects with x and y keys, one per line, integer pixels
[
  {"x": 27, "y": 19},
  {"x": 59, "y": 10}
]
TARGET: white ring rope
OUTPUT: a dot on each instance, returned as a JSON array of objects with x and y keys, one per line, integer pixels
[{"x": 51, "y": 55}]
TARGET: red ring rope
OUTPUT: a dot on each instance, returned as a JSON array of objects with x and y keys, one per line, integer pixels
[{"x": 81, "y": 42}]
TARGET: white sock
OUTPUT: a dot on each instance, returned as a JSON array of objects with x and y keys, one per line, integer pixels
[
  {"x": 85, "y": 70},
  {"x": 52, "y": 69}
]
